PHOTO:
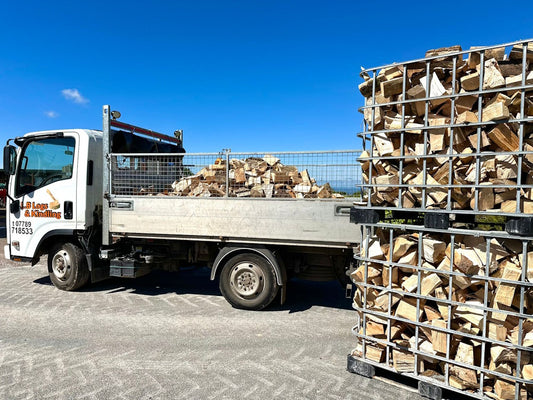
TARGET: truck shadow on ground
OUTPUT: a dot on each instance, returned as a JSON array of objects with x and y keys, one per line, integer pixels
[{"x": 301, "y": 295}]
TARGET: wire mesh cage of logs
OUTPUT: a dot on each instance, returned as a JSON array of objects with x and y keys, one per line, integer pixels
[
  {"x": 452, "y": 308},
  {"x": 451, "y": 133},
  {"x": 444, "y": 281},
  {"x": 292, "y": 175}
]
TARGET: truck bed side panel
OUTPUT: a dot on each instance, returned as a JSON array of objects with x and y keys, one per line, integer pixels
[{"x": 317, "y": 223}]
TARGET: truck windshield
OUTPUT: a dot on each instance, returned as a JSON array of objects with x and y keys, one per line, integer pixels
[{"x": 43, "y": 162}]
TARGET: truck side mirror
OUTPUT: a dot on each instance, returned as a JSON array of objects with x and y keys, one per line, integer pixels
[{"x": 10, "y": 158}]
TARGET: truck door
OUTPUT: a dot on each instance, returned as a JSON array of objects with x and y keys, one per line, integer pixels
[{"x": 45, "y": 187}]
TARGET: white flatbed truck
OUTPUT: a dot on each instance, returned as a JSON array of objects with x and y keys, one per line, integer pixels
[{"x": 101, "y": 204}]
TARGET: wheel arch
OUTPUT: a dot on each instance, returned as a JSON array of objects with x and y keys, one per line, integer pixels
[
  {"x": 230, "y": 251},
  {"x": 51, "y": 238}
]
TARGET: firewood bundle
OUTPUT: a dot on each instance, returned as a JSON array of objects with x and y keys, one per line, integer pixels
[
  {"x": 453, "y": 140},
  {"x": 252, "y": 177},
  {"x": 473, "y": 309}
]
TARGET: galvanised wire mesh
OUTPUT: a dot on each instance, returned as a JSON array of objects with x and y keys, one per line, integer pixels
[
  {"x": 451, "y": 132},
  {"x": 300, "y": 175},
  {"x": 451, "y": 308}
]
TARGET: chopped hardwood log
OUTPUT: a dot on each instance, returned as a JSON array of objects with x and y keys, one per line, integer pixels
[
  {"x": 407, "y": 309},
  {"x": 417, "y": 92},
  {"x": 470, "y": 82},
  {"x": 504, "y": 390},
  {"x": 504, "y": 137},
  {"x": 402, "y": 245},
  {"x": 496, "y": 331},
  {"x": 492, "y": 78},
  {"x": 403, "y": 361},
  {"x": 468, "y": 313},
  {"x": 495, "y": 112},
  {"x": 392, "y": 87},
  {"x": 373, "y": 329},
  {"x": 374, "y": 353}
]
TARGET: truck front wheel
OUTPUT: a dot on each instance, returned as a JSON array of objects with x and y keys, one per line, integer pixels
[
  {"x": 67, "y": 267},
  {"x": 248, "y": 281}
]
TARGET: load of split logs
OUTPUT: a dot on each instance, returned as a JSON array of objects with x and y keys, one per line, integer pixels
[
  {"x": 252, "y": 177},
  {"x": 471, "y": 308},
  {"x": 431, "y": 127}
]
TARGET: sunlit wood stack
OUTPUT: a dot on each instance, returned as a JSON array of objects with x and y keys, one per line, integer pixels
[
  {"x": 455, "y": 137},
  {"x": 423, "y": 295},
  {"x": 253, "y": 177}
]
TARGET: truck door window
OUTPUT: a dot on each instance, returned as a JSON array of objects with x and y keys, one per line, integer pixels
[{"x": 43, "y": 162}]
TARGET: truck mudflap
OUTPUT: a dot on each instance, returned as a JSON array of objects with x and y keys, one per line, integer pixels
[{"x": 7, "y": 252}]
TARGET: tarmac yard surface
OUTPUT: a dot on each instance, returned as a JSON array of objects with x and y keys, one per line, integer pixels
[{"x": 173, "y": 336}]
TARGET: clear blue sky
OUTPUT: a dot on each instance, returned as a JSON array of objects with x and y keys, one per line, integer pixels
[{"x": 249, "y": 75}]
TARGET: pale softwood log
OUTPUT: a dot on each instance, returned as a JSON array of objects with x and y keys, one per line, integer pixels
[
  {"x": 495, "y": 111},
  {"x": 439, "y": 338},
  {"x": 374, "y": 353},
  {"x": 384, "y": 144},
  {"x": 429, "y": 284},
  {"x": 411, "y": 283},
  {"x": 505, "y": 292},
  {"x": 433, "y": 250},
  {"x": 465, "y": 354},
  {"x": 374, "y": 249},
  {"x": 444, "y": 51},
  {"x": 527, "y": 372}
]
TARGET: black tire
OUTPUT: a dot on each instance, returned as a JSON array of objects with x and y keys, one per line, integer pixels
[
  {"x": 248, "y": 282},
  {"x": 67, "y": 267}
]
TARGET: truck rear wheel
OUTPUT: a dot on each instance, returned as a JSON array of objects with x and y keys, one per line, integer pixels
[
  {"x": 248, "y": 281},
  {"x": 67, "y": 267}
]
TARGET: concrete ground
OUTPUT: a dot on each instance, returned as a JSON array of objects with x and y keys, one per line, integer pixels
[{"x": 173, "y": 336}]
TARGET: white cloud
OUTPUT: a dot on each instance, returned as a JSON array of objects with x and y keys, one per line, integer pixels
[
  {"x": 51, "y": 114},
  {"x": 74, "y": 95}
]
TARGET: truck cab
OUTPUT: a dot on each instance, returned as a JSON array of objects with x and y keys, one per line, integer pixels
[{"x": 53, "y": 193}]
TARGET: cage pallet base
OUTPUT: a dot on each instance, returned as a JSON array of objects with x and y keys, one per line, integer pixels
[
  {"x": 444, "y": 219},
  {"x": 427, "y": 387}
]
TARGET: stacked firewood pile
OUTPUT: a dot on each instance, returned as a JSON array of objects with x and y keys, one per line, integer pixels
[
  {"x": 432, "y": 285},
  {"x": 431, "y": 129},
  {"x": 252, "y": 177}
]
